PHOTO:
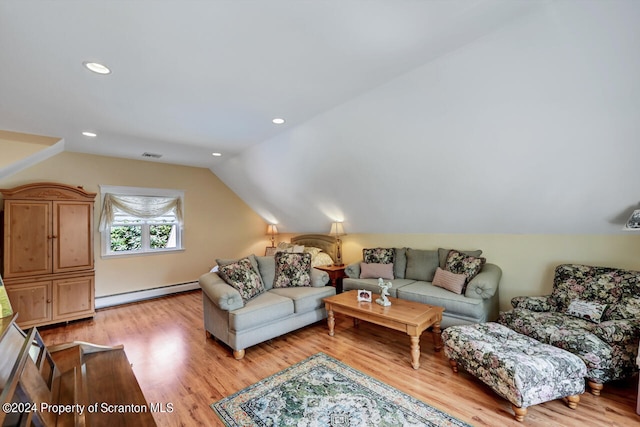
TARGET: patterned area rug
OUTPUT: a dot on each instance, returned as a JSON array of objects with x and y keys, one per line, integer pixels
[{"x": 321, "y": 391}]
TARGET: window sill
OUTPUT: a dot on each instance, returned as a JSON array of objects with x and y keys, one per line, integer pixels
[{"x": 138, "y": 254}]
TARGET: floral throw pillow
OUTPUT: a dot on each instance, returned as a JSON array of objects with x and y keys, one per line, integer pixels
[
  {"x": 243, "y": 277},
  {"x": 588, "y": 310},
  {"x": 292, "y": 269},
  {"x": 459, "y": 263},
  {"x": 378, "y": 255}
]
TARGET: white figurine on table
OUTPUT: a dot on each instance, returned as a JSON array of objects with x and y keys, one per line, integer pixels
[{"x": 384, "y": 292}]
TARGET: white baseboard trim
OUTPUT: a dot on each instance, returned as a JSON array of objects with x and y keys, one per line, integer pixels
[{"x": 128, "y": 297}]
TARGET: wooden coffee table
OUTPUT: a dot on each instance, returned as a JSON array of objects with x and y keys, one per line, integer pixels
[{"x": 406, "y": 316}]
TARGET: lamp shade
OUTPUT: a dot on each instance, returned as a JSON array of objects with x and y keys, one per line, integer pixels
[
  {"x": 272, "y": 229},
  {"x": 337, "y": 229}
]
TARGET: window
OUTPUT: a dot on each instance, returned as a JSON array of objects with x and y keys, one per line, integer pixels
[{"x": 140, "y": 220}]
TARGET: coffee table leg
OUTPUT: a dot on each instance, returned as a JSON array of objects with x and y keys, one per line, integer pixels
[
  {"x": 331, "y": 321},
  {"x": 415, "y": 351},
  {"x": 437, "y": 336}
]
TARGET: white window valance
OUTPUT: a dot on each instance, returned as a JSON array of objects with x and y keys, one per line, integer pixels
[{"x": 146, "y": 207}]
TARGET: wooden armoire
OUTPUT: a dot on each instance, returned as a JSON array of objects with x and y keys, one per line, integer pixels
[{"x": 48, "y": 265}]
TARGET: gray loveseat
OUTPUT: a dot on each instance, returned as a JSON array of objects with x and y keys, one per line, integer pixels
[
  {"x": 272, "y": 313},
  {"x": 413, "y": 272}
]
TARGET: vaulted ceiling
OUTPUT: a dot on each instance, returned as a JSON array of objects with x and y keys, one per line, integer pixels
[{"x": 459, "y": 116}]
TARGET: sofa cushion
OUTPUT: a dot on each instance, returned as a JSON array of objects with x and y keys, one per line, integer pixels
[
  {"x": 349, "y": 284},
  {"x": 399, "y": 262},
  {"x": 535, "y": 303},
  {"x": 292, "y": 269},
  {"x": 267, "y": 269},
  {"x": 443, "y": 254},
  {"x": 627, "y": 308},
  {"x": 571, "y": 334},
  {"x": 542, "y": 325},
  {"x": 261, "y": 310},
  {"x": 378, "y": 255},
  {"x": 399, "y": 265},
  {"x": 375, "y": 270},
  {"x": 304, "y": 298},
  {"x": 242, "y": 276},
  {"x": 619, "y": 332},
  {"x": 426, "y": 293},
  {"x": 588, "y": 310},
  {"x": 596, "y": 354},
  {"x": 421, "y": 264},
  {"x": 450, "y": 281},
  {"x": 460, "y": 263},
  {"x": 600, "y": 284}
]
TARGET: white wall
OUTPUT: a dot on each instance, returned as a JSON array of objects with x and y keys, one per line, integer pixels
[{"x": 531, "y": 129}]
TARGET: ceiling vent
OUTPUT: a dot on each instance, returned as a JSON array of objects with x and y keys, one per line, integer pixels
[{"x": 152, "y": 155}]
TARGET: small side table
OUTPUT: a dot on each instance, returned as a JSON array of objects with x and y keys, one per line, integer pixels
[{"x": 336, "y": 274}]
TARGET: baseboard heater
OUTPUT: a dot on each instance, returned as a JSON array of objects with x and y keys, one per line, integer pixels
[{"x": 128, "y": 297}]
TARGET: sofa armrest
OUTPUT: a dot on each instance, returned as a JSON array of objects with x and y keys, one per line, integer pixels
[
  {"x": 225, "y": 297},
  {"x": 538, "y": 304},
  {"x": 485, "y": 284},
  {"x": 319, "y": 278},
  {"x": 618, "y": 331},
  {"x": 353, "y": 270}
]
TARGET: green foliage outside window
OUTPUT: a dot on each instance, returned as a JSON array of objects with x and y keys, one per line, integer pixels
[
  {"x": 129, "y": 237},
  {"x": 160, "y": 235},
  {"x": 126, "y": 238}
]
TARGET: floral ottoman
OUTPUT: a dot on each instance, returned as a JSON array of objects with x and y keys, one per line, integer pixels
[{"x": 520, "y": 369}]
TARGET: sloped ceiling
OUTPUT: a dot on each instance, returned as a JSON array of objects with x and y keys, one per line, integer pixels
[{"x": 470, "y": 116}]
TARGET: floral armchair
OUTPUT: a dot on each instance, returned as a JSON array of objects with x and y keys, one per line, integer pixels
[{"x": 592, "y": 312}]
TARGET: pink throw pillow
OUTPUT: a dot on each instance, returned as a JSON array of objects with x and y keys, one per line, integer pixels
[
  {"x": 375, "y": 271},
  {"x": 450, "y": 281}
]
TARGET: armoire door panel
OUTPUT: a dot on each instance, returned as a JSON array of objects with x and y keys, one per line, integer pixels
[
  {"x": 27, "y": 240},
  {"x": 32, "y": 302},
  {"x": 73, "y": 297},
  {"x": 73, "y": 238}
]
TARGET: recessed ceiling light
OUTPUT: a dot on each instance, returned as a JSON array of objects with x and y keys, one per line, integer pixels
[
  {"x": 96, "y": 67},
  {"x": 278, "y": 121},
  {"x": 216, "y": 154},
  {"x": 90, "y": 134}
]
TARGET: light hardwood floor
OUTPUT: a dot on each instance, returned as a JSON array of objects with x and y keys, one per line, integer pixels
[{"x": 175, "y": 363}]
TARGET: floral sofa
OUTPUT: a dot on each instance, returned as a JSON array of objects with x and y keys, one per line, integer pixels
[
  {"x": 257, "y": 298},
  {"x": 593, "y": 312},
  {"x": 460, "y": 281}
]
